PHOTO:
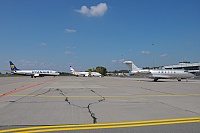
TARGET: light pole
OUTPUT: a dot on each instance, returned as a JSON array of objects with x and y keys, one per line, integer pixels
[{"x": 153, "y": 55}]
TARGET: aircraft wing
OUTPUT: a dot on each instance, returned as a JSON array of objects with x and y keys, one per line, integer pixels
[
  {"x": 143, "y": 73},
  {"x": 159, "y": 76}
]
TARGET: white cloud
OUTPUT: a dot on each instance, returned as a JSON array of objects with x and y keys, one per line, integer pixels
[
  {"x": 121, "y": 60},
  {"x": 145, "y": 52},
  {"x": 70, "y": 47},
  {"x": 163, "y": 55},
  {"x": 68, "y": 52},
  {"x": 94, "y": 11},
  {"x": 131, "y": 50},
  {"x": 118, "y": 61},
  {"x": 70, "y": 30},
  {"x": 43, "y": 44},
  {"x": 26, "y": 63},
  {"x": 32, "y": 64},
  {"x": 114, "y": 61}
]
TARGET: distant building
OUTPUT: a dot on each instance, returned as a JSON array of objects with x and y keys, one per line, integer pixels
[{"x": 191, "y": 67}]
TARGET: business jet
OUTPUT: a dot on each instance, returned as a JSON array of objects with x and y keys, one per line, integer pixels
[
  {"x": 32, "y": 73},
  {"x": 156, "y": 74},
  {"x": 84, "y": 74}
]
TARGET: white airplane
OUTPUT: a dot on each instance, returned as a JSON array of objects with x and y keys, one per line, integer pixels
[
  {"x": 32, "y": 73},
  {"x": 158, "y": 73},
  {"x": 84, "y": 74}
]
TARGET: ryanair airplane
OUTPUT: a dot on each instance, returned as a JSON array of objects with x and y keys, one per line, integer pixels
[{"x": 32, "y": 73}]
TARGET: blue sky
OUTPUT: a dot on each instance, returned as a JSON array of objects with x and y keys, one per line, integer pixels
[{"x": 54, "y": 34}]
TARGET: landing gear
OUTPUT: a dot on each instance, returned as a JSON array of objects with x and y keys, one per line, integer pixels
[{"x": 155, "y": 80}]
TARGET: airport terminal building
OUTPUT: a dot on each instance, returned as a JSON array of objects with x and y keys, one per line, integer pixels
[{"x": 191, "y": 67}]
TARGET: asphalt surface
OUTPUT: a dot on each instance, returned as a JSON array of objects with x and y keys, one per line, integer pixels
[{"x": 108, "y": 104}]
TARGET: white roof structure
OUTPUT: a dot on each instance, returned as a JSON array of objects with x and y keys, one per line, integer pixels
[{"x": 191, "y": 67}]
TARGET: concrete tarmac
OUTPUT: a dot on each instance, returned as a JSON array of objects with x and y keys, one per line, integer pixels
[{"x": 26, "y": 101}]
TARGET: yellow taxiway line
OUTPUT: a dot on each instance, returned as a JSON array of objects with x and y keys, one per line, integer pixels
[
  {"x": 67, "y": 127},
  {"x": 123, "y": 96}
]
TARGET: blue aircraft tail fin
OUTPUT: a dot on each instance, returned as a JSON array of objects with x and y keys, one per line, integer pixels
[{"x": 12, "y": 66}]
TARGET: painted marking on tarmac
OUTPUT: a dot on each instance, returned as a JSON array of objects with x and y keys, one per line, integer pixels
[
  {"x": 24, "y": 88},
  {"x": 136, "y": 96},
  {"x": 53, "y": 128}
]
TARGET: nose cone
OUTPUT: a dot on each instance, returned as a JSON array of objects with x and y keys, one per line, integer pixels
[{"x": 190, "y": 75}]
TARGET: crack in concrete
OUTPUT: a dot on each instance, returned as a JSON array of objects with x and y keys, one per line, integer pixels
[
  {"x": 43, "y": 92},
  {"x": 92, "y": 114},
  {"x": 168, "y": 104},
  {"x": 156, "y": 91},
  {"x": 177, "y": 107}
]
